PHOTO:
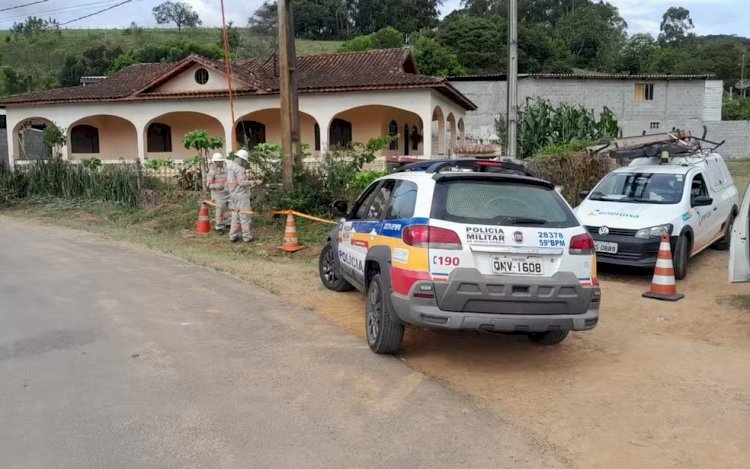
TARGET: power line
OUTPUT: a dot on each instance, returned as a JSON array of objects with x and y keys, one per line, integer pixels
[
  {"x": 69, "y": 9},
  {"x": 95, "y": 13},
  {"x": 24, "y": 5}
]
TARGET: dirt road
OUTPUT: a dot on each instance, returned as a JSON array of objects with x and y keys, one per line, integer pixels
[{"x": 654, "y": 385}]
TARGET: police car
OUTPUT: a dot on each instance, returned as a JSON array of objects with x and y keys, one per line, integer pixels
[
  {"x": 464, "y": 250},
  {"x": 691, "y": 198}
]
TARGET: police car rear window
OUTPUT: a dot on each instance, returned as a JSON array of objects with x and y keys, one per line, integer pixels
[{"x": 500, "y": 203}]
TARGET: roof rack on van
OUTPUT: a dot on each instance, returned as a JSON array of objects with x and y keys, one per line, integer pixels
[
  {"x": 478, "y": 165},
  {"x": 676, "y": 144}
]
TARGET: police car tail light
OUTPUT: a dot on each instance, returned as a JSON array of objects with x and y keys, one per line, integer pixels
[
  {"x": 423, "y": 236},
  {"x": 582, "y": 244}
]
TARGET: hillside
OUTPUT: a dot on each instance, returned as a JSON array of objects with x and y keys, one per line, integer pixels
[{"x": 33, "y": 63}]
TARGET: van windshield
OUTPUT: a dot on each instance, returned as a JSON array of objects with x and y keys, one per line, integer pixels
[{"x": 649, "y": 188}]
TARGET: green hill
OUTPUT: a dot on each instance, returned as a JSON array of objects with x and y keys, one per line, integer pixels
[{"x": 30, "y": 63}]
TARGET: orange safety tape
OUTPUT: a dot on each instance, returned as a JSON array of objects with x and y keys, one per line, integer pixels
[{"x": 278, "y": 212}]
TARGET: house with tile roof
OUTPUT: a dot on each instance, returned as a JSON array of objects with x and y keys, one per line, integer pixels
[{"x": 144, "y": 110}]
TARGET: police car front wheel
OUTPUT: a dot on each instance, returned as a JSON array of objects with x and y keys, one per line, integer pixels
[{"x": 330, "y": 272}]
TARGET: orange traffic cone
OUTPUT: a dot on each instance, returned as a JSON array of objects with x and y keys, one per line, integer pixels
[
  {"x": 204, "y": 225},
  {"x": 290, "y": 236},
  {"x": 663, "y": 285}
]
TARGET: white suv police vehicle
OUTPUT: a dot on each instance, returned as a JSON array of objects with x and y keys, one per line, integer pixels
[
  {"x": 452, "y": 248},
  {"x": 691, "y": 198}
]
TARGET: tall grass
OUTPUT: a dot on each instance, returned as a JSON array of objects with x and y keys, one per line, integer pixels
[{"x": 56, "y": 178}]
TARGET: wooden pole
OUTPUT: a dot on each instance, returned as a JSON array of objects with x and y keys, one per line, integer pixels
[
  {"x": 230, "y": 146},
  {"x": 290, "y": 134}
]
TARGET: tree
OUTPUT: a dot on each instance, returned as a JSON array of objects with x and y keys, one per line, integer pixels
[
  {"x": 32, "y": 27},
  {"x": 233, "y": 37},
  {"x": 386, "y": 38},
  {"x": 179, "y": 13},
  {"x": 202, "y": 143},
  {"x": 54, "y": 139},
  {"x": 638, "y": 53},
  {"x": 479, "y": 43},
  {"x": 411, "y": 16},
  {"x": 169, "y": 51},
  {"x": 313, "y": 19},
  {"x": 72, "y": 71},
  {"x": 594, "y": 34},
  {"x": 675, "y": 25},
  {"x": 434, "y": 59}
]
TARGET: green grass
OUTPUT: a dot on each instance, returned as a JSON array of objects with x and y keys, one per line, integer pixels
[{"x": 740, "y": 170}]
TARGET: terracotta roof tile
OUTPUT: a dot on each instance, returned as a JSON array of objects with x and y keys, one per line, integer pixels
[{"x": 384, "y": 69}]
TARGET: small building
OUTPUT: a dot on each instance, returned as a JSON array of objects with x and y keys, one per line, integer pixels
[
  {"x": 641, "y": 103},
  {"x": 144, "y": 110}
]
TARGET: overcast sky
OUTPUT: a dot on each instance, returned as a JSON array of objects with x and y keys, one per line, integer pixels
[{"x": 710, "y": 16}]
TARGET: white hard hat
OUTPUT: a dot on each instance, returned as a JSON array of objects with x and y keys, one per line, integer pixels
[
  {"x": 217, "y": 157},
  {"x": 243, "y": 154}
]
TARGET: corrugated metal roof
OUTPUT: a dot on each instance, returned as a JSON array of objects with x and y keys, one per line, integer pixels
[{"x": 579, "y": 76}]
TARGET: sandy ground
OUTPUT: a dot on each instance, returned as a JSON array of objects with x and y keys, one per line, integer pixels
[{"x": 654, "y": 385}]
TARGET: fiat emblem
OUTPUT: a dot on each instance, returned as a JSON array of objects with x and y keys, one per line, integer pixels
[
  {"x": 518, "y": 237},
  {"x": 604, "y": 231}
]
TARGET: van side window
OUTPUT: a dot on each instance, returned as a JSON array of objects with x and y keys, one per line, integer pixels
[{"x": 698, "y": 187}]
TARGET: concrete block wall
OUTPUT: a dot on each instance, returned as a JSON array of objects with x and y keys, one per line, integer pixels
[
  {"x": 676, "y": 104},
  {"x": 736, "y": 134}
]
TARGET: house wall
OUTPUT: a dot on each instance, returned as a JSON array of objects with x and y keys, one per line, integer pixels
[
  {"x": 322, "y": 107},
  {"x": 185, "y": 81},
  {"x": 271, "y": 118},
  {"x": 676, "y": 103}
]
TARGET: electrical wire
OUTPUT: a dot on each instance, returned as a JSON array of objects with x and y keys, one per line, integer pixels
[
  {"x": 24, "y": 5},
  {"x": 68, "y": 9},
  {"x": 95, "y": 13}
]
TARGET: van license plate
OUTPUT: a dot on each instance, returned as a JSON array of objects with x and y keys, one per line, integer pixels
[
  {"x": 609, "y": 248},
  {"x": 517, "y": 266}
]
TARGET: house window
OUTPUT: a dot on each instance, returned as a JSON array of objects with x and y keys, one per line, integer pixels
[
  {"x": 316, "y": 129},
  {"x": 201, "y": 76},
  {"x": 341, "y": 133},
  {"x": 393, "y": 133},
  {"x": 84, "y": 139},
  {"x": 250, "y": 133},
  {"x": 159, "y": 138},
  {"x": 654, "y": 125},
  {"x": 644, "y": 92}
]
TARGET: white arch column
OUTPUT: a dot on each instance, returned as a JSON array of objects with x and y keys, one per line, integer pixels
[{"x": 426, "y": 117}]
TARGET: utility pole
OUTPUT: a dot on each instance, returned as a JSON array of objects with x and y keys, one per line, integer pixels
[
  {"x": 290, "y": 135},
  {"x": 512, "y": 110},
  {"x": 742, "y": 76}
]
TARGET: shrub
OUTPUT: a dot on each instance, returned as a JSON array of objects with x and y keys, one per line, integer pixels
[
  {"x": 361, "y": 180},
  {"x": 92, "y": 163},
  {"x": 571, "y": 168},
  {"x": 119, "y": 183},
  {"x": 159, "y": 163}
]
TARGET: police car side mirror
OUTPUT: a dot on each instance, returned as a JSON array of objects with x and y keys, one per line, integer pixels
[
  {"x": 341, "y": 207},
  {"x": 702, "y": 201},
  {"x": 583, "y": 194}
]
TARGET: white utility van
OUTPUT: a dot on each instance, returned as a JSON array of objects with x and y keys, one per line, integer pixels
[{"x": 691, "y": 198}]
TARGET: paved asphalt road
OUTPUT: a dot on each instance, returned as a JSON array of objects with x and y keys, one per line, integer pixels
[{"x": 112, "y": 356}]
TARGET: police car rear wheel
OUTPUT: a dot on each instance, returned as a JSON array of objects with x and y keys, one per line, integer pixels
[
  {"x": 330, "y": 273},
  {"x": 383, "y": 334},
  {"x": 549, "y": 337}
]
